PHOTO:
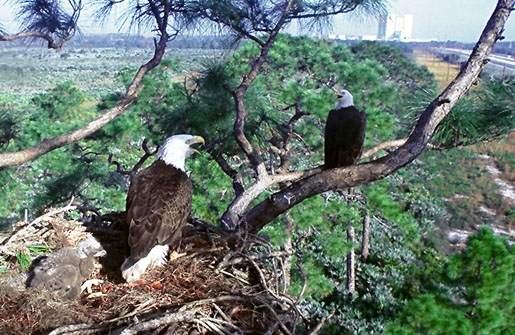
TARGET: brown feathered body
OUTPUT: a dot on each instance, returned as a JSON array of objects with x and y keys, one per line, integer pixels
[
  {"x": 158, "y": 205},
  {"x": 344, "y": 136},
  {"x": 62, "y": 272}
]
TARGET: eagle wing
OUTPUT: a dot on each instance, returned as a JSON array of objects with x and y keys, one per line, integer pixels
[
  {"x": 344, "y": 136},
  {"x": 158, "y": 205}
]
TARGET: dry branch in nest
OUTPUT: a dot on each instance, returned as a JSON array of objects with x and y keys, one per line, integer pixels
[{"x": 223, "y": 285}]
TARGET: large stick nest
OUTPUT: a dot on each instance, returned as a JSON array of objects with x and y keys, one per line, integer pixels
[{"x": 223, "y": 285}]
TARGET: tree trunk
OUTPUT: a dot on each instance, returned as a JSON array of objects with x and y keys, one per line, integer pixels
[
  {"x": 365, "y": 237},
  {"x": 288, "y": 227},
  {"x": 351, "y": 262}
]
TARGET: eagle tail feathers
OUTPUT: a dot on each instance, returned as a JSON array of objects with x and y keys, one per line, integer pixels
[{"x": 132, "y": 269}]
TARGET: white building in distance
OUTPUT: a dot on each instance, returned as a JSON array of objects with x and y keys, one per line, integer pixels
[{"x": 395, "y": 28}]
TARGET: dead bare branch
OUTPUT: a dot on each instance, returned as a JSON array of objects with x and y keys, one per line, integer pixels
[
  {"x": 26, "y": 230},
  {"x": 390, "y": 144},
  {"x": 319, "y": 326}
]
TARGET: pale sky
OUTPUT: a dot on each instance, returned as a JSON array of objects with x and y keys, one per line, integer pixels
[{"x": 459, "y": 20}]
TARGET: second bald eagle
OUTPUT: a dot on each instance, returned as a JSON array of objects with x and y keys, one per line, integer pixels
[{"x": 344, "y": 133}]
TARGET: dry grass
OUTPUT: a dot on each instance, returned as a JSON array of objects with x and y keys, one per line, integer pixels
[{"x": 444, "y": 72}]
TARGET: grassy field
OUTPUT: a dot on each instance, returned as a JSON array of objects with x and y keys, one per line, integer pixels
[
  {"x": 444, "y": 72},
  {"x": 469, "y": 188},
  {"x": 25, "y": 71}
]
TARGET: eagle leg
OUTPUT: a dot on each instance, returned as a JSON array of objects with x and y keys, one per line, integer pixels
[{"x": 158, "y": 255}]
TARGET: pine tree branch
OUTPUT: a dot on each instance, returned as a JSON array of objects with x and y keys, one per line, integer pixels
[{"x": 52, "y": 44}]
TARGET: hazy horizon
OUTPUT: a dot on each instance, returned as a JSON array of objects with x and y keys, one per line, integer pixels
[{"x": 458, "y": 20}]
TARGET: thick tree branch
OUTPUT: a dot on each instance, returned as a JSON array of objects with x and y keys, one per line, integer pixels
[
  {"x": 231, "y": 219},
  {"x": 52, "y": 44},
  {"x": 245, "y": 197},
  {"x": 425, "y": 127}
]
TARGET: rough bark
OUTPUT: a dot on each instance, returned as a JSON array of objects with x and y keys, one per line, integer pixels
[
  {"x": 351, "y": 262},
  {"x": 52, "y": 44},
  {"x": 288, "y": 247},
  {"x": 365, "y": 237},
  {"x": 278, "y": 203}
]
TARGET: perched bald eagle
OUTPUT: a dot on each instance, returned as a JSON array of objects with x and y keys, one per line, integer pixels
[
  {"x": 158, "y": 205},
  {"x": 344, "y": 132}
]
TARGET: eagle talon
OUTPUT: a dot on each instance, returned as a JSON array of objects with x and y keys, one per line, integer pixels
[
  {"x": 89, "y": 283},
  {"x": 96, "y": 295}
]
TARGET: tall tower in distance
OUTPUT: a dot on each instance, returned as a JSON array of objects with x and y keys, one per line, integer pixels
[
  {"x": 381, "y": 27},
  {"x": 395, "y": 27}
]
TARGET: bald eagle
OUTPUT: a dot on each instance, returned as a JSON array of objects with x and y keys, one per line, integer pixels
[
  {"x": 158, "y": 205},
  {"x": 344, "y": 132}
]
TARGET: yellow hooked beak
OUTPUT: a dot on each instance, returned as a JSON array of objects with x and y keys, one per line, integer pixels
[
  {"x": 195, "y": 140},
  {"x": 338, "y": 93}
]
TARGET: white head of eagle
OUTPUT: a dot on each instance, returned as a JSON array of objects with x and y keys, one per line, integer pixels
[
  {"x": 176, "y": 149},
  {"x": 345, "y": 99},
  {"x": 158, "y": 206}
]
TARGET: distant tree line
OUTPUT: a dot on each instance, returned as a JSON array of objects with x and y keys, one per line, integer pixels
[
  {"x": 136, "y": 41},
  {"x": 228, "y": 41}
]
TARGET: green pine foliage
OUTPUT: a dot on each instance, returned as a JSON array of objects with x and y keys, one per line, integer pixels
[
  {"x": 427, "y": 316},
  {"x": 80, "y": 170},
  {"x": 401, "y": 70},
  {"x": 472, "y": 294},
  {"x": 484, "y": 115}
]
